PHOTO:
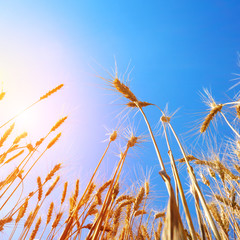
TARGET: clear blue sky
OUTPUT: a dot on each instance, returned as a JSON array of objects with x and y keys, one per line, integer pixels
[{"x": 174, "y": 47}]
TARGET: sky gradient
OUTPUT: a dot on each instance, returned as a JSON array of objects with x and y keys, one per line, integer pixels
[{"x": 174, "y": 49}]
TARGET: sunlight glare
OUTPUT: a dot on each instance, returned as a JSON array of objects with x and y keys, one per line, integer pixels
[{"x": 26, "y": 121}]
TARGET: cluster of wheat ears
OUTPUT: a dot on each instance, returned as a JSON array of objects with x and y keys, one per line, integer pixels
[{"x": 101, "y": 212}]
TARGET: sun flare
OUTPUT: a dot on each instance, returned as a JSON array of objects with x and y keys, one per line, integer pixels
[{"x": 26, "y": 120}]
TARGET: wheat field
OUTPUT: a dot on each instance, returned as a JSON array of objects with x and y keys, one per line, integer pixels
[{"x": 103, "y": 211}]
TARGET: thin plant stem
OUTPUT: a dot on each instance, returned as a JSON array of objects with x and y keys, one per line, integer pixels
[
  {"x": 23, "y": 179},
  {"x": 70, "y": 221},
  {"x": 153, "y": 138},
  {"x": 196, "y": 186},
  {"x": 199, "y": 214},
  {"x": 229, "y": 124},
  {"x": 13, "y": 231},
  {"x": 106, "y": 200},
  {"x": 177, "y": 179}
]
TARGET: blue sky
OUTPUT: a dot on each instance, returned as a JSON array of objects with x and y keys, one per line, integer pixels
[{"x": 174, "y": 49}]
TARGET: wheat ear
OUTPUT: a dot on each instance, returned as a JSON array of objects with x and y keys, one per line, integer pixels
[
  {"x": 124, "y": 90},
  {"x": 35, "y": 230},
  {"x": 210, "y": 116}
]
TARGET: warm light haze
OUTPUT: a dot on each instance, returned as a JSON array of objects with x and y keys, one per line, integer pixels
[{"x": 123, "y": 136}]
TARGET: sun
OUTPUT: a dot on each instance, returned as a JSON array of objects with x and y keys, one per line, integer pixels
[{"x": 26, "y": 121}]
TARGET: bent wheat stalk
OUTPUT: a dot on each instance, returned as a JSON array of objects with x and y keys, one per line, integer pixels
[
  {"x": 195, "y": 184},
  {"x": 126, "y": 92},
  {"x": 179, "y": 185},
  {"x": 173, "y": 227},
  {"x": 197, "y": 188}
]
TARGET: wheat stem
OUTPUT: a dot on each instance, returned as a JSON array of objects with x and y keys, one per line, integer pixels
[
  {"x": 178, "y": 182},
  {"x": 70, "y": 220},
  {"x": 229, "y": 124},
  {"x": 153, "y": 138},
  {"x": 196, "y": 186}
]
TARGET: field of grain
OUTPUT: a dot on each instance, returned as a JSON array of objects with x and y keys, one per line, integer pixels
[{"x": 103, "y": 211}]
